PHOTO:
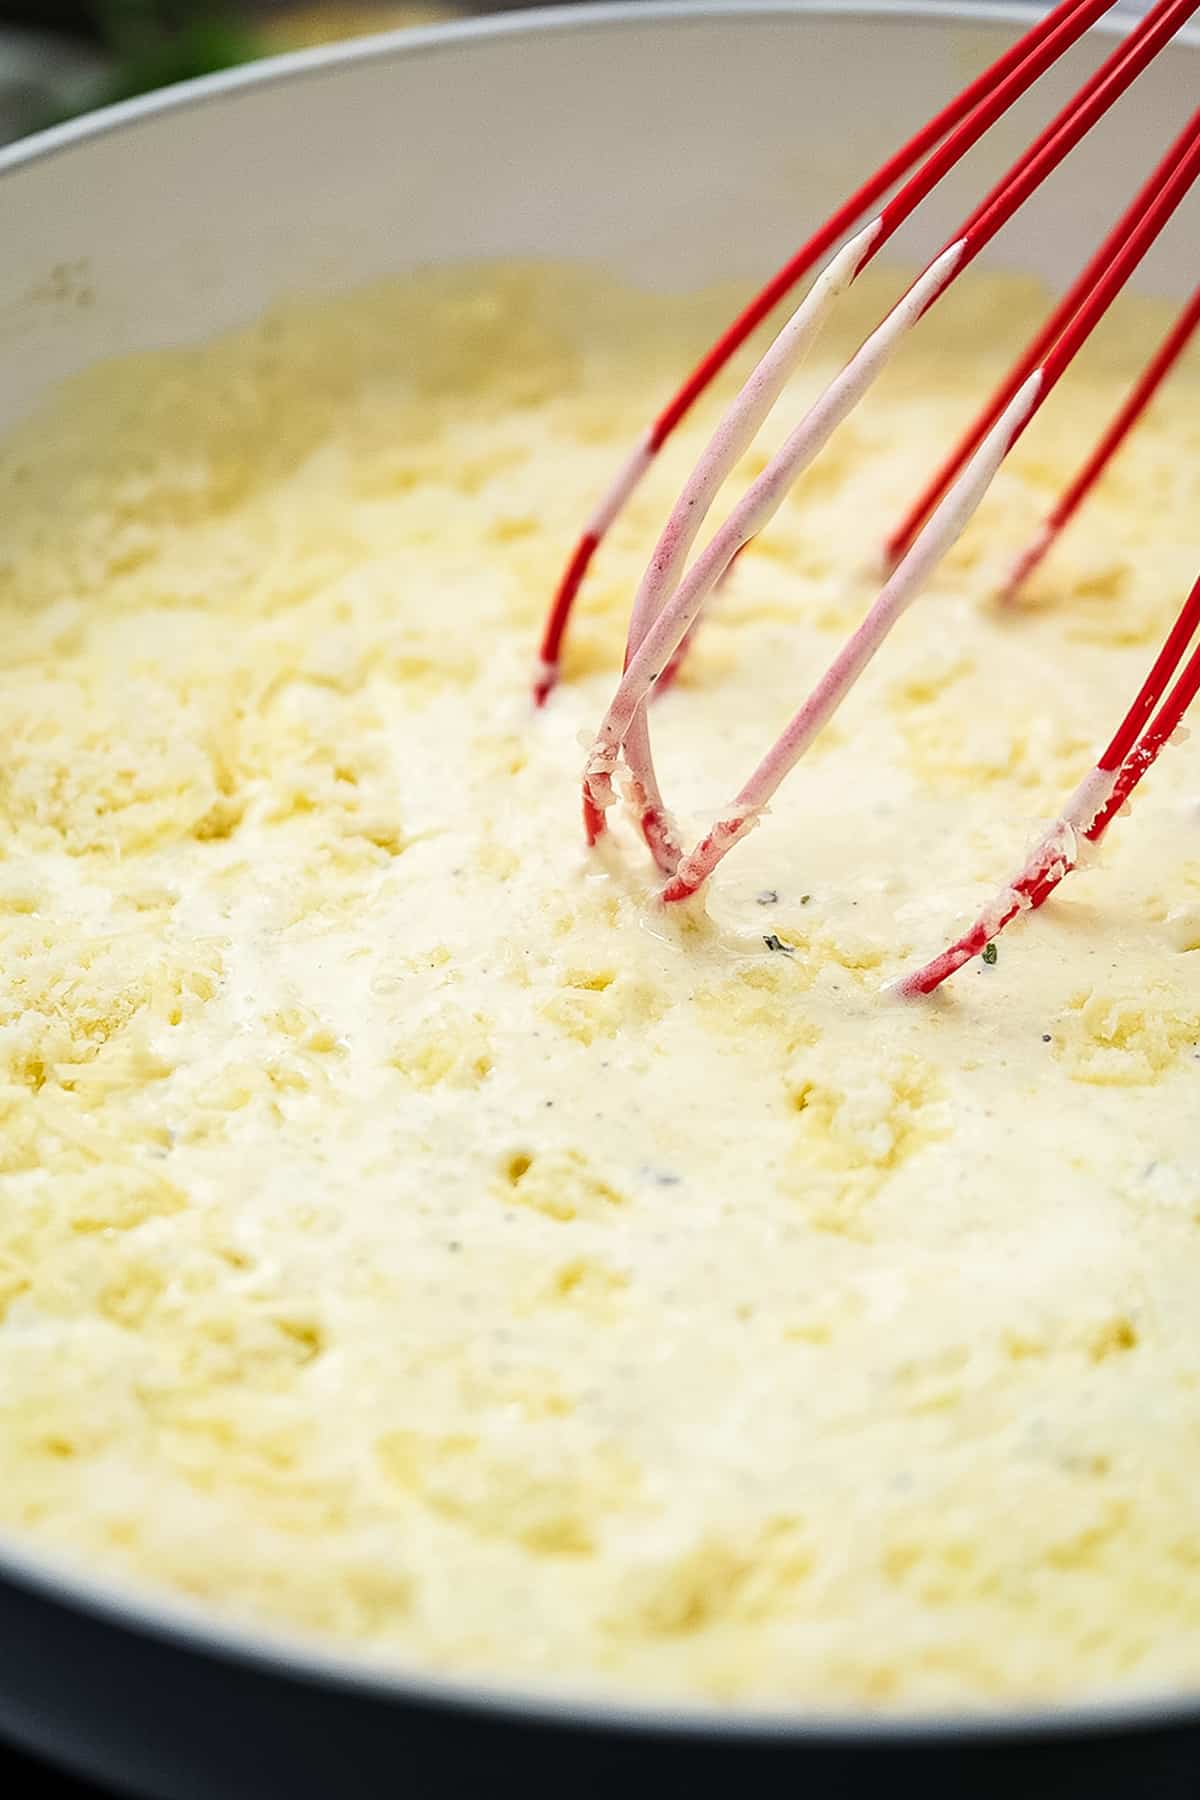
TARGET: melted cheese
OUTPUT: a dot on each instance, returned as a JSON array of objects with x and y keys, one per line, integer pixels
[{"x": 412, "y": 1236}]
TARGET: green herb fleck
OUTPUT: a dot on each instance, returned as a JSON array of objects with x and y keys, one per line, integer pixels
[
  {"x": 991, "y": 955},
  {"x": 804, "y": 899}
]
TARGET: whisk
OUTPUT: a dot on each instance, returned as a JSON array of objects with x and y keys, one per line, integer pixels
[{"x": 673, "y": 591}]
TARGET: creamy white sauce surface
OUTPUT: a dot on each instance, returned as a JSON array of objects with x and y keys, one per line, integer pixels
[{"x": 412, "y": 1236}]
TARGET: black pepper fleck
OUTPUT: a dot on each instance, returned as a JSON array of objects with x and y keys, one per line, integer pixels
[
  {"x": 776, "y": 943},
  {"x": 768, "y": 897}
]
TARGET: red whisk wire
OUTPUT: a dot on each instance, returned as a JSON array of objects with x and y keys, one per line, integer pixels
[
  {"x": 1080, "y": 115},
  {"x": 962, "y": 123},
  {"x": 1165, "y": 665},
  {"x": 1071, "y": 126},
  {"x": 673, "y": 591},
  {"x": 1137, "y": 744},
  {"x": 1143, "y": 757},
  {"x": 1139, "y": 399},
  {"x": 1141, "y": 736},
  {"x": 972, "y": 111},
  {"x": 1128, "y": 759},
  {"x": 1104, "y": 87},
  {"x": 1180, "y": 169},
  {"x": 1166, "y": 189}
]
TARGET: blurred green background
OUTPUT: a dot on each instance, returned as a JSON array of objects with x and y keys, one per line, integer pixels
[{"x": 62, "y": 57}]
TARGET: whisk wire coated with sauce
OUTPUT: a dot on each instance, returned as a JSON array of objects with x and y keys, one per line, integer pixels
[{"x": 673, "y": 593}]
